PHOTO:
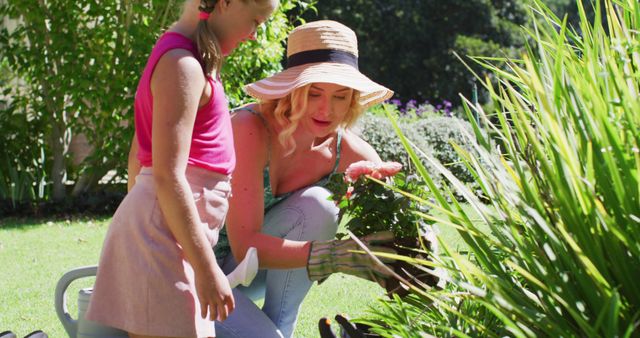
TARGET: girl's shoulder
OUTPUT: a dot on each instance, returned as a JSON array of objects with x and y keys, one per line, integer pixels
[
  {"x": 179, "y": 63},
  {"x": 177, "y": 76}
]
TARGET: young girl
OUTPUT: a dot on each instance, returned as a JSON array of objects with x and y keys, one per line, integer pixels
[{"x": 158, "y": 275}]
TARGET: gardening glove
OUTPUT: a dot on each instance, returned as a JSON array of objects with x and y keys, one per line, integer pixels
[
  {"x": 327, "y": 257},
  {"x": 324, "y": 327},
  {"x": 353, "y": 330},
  {"x": 347, "y": 329}
]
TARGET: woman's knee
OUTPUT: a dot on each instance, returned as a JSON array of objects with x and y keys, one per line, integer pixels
[
  {"x": 321, "y": 214},
  {"x": 317, "y": 199},
  {"x": 309, "y": 213}
]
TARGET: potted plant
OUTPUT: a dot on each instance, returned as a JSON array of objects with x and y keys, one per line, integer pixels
[{"x": 369, "y": 206}]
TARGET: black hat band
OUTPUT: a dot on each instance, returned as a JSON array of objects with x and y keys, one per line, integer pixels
[{"x": 322, "y": 55}]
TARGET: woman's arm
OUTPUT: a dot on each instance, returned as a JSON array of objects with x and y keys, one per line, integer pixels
[
  {"x": 246, "y": 205},
  {"x": 355, "y": 149},
  {"x": 133, "y": 165},
  {"x": 177, "y": 85}
]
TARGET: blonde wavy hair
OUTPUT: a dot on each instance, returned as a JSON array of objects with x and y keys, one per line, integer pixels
[{"x": 288, "y": 110}]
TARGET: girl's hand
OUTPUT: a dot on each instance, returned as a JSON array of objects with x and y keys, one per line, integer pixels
[{"x": 214, "y": 294}]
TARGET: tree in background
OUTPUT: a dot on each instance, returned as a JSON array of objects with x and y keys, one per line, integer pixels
[
  {"x": 71, "y": 68},
  {"x": 569, "y": 8},
  {"x": 409, "y": 45}
]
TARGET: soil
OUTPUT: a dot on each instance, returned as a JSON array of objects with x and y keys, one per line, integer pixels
[{"x": 407, "y": 247}]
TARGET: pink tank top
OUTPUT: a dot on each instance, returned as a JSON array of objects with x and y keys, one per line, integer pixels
[{"x": 212, "y": 138}]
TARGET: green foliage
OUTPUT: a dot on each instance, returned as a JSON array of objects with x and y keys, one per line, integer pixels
[
  {"x": 406, "y": 317},
  {"x": 75, "y": 66},
  {"x": 371, "y": 207},
  {"x": 72, "y": 69},
  {"x": 409, "y": 45},
  {"x": 561, "y": 258},
  {"x": 378, "y": 132},
  {"x": 569, "y": 8},
  {"x": 441, "y": 134},
  {"x": 22, "y": 177},
  {"x": 435, "y": 135}
]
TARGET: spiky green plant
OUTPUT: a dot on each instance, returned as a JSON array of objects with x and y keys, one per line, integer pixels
[{"x": 562, "y": 258}]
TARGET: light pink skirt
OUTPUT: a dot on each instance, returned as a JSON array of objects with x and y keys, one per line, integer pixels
[{"x": 144, "y": 284}]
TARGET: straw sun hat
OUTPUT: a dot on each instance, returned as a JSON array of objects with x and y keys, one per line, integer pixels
[{"x": 320, "y": 51}]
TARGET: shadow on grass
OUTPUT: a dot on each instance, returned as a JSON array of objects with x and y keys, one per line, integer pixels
[
  {"x": 95, "y": 205},
  {"x": 30, "y": 222}
]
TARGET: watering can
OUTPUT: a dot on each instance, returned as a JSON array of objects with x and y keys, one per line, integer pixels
[{"x": 243, "y": 274}]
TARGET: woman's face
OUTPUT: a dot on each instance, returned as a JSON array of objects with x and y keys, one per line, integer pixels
[
  {"x": 327, "y": 105},
  {"x": 238, "y": 20}
]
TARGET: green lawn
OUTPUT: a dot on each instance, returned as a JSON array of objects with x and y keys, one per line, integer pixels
[{"x": 35, "y": 254}]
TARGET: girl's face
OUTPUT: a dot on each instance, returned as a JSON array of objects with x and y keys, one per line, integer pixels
[
  {"x": 235, "y": 21},
  {"x": 327, "y": 105}
]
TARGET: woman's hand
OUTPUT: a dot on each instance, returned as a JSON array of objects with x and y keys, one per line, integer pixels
[
  {"x": 214, "y": 294},
  {"x": 346, "y": 256}
]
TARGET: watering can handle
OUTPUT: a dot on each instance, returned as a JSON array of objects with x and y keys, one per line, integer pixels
[{"x": 70, "y": 325}]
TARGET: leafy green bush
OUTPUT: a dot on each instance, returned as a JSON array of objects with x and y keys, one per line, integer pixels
[
  {"x": 22, "y": 176},
  {"x": 410, "y": 317},
  {"x": 371, "y": 207},
  {"x": 433, "y": 134},
  {"x": 71, "y": 68},
  {"x": 440, "y": 133},
  {"x": 378, "y": 132},
  {"x": 562, "y": 256}
]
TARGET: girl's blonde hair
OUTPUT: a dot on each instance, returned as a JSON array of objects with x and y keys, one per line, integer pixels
[
  {"x": 288, "y": 111},
  {"x": 207, "y": 41}
]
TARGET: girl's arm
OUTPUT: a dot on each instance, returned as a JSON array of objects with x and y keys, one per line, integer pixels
[
  {"x": 133, "y": 165},
  {"x": 246, "y": 205},
  {"x": 177, "y": 85}
]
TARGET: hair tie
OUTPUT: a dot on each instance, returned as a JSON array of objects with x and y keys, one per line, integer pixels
[{"x": 203, "y": 15}]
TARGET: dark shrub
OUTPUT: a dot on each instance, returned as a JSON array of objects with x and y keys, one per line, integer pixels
[
  {"x": 432, "y": 135},
  {"x": 438, "y": 133}
]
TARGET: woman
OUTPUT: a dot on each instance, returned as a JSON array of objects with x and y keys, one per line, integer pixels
[
  {"x": 286, "y": 146},
  {"x": 158, "y": 276}
]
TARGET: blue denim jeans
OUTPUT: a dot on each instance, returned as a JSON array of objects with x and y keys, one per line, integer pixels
[{"x": 306, "y": 215}]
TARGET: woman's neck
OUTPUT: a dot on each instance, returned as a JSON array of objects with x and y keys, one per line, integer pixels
[{"x": 305, "y": 141}]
